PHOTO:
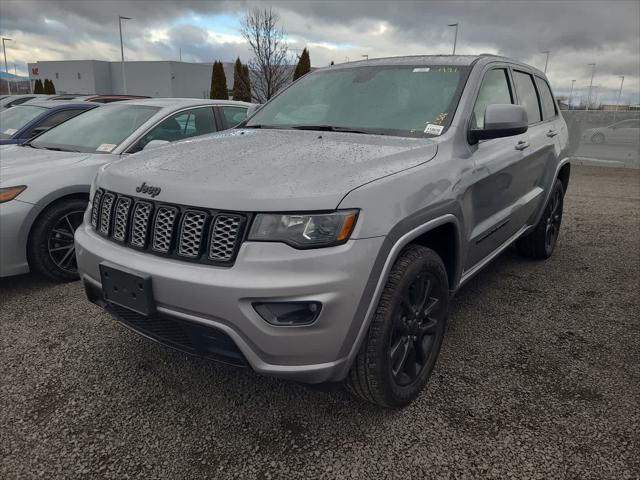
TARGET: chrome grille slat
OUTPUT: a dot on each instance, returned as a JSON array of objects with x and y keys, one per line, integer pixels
[
  {"x": 224, "y": 235},
  {"x": 182, "y": 232},
  {"x": 191, "y": 231},
  {"x": 121, "y": 219},
  {"x": 105, "y": 212},
  {"x": 163, "y": 229},
  {"x": 140, "y": 224},
  {"x": 95, "y": 207}
]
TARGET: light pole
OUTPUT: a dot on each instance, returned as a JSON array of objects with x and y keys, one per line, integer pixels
[
  {"x": 455, "y": 38},
  {"x": 570, "y": 95},
  {"x": 593, "y": 71},
  {"x": 619, "y": 95},
  {"x": 124, "y": 75},
  {"x": 546, "y": 62},
  {"x": 6, "y": 69},
  {"x": 365, "y": 56}
]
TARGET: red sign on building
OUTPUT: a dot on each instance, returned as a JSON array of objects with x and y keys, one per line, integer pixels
[{"x": 34, "y": 71}]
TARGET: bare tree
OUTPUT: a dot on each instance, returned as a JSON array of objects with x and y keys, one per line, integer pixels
[{"x": 269, "y": 65}]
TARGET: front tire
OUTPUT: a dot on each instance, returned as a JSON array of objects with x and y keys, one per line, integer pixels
[
  {"x": 400, "y": 350},
  {"x": 540, "y": 243},
  {"x": 597, "y": 138},
  {"x": 51, "y": 250}
]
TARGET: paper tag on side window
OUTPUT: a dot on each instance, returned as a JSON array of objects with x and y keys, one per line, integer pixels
[
  {"x": 420, "y": 69},
  {"x": 10, "y": 131},
  {"x": 106, "y": 147},
  {"x": 433, "y": 129}
]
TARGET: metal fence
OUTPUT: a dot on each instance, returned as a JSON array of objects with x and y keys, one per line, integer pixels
[{"x": 604, "y": 138}]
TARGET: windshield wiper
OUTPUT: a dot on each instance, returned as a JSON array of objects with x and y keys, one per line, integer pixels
[{"x": 331, "y": 128}]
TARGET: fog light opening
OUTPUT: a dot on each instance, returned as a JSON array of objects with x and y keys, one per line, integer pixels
[{"x": 288, "y": 313}]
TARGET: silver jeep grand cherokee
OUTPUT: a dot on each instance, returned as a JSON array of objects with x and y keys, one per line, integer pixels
[{"x": 323, "y": 239}]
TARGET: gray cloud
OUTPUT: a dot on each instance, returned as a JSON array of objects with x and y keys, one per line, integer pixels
[{"x": 576, "y": 32}]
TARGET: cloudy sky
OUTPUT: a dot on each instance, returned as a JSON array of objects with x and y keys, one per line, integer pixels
[{"x": 575, "y": 32}]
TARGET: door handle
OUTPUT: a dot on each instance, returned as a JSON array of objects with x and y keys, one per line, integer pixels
[
  {"x": 522, "y": 145},
  {"x": 552, "y": 133}
]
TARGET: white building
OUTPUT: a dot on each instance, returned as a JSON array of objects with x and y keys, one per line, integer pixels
[{"x": 154, "y": 78}]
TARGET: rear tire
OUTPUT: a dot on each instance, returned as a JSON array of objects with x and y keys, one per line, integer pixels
[
  {"x": 51, "y": 249},
  {"x": 540, "y": 243},
  {"x": 399, "y": 352}
]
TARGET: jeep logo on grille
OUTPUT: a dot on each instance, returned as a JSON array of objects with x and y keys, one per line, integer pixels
[{"x": 148, "y": 189}]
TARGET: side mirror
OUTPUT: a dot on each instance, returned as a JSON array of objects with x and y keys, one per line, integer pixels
[
  {"x": 155, "y": 144},
  {"x": 39, "y": 130},
  {"x": 500, "y": 120},
  {"x": 253, "y": 109}
]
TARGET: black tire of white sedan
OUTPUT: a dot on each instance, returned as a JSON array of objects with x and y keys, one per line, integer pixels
[
  {"x": 540, "y": 243},
  {"x": 400, "y": 350},
  {"x": 51, "y": 249}
]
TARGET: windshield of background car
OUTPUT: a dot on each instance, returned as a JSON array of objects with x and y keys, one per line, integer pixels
[
  {"x": 13, "y": 119},
  {"x": 100, "y": 130},
  {"x": 412, "y": 101}
]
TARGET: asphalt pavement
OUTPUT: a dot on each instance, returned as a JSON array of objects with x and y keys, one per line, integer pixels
[{"x": 539, "y": 377}]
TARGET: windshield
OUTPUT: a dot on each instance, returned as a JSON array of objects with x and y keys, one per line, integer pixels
[
  {"x": 387, "y": 99},
  {"x": 99, "y": 130},
  {"x": 13, "y": 119}
]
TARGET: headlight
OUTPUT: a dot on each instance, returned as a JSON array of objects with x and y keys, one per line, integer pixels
[
  {"x": 304, "y": 230},
  {"x": 9, "y": 193}
]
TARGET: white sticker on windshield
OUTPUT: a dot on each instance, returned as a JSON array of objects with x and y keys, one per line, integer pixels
[
  {"x": 420, "y": 69},
  {"x": 433, "y": 129},
  {"x": 10, "y": 131},
  {"x": 106, "y": 147}
]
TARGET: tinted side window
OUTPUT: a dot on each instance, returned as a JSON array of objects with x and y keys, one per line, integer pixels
[
  {"x": 494, "y": 90},
  {"x": 53, "y": 120},
  {"x": 233, "y": 115},
  {"x": 527, "y": 95},
  {"x": 546, "y": 99},
  {"x": 189, "y": 123},
  {"x": 19, "y": 101}
]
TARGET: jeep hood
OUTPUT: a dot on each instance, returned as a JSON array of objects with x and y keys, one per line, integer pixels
[{"x": 266, "y": 170}]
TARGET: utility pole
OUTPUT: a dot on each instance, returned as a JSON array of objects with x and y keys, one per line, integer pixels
[
  {"x": 180, "y": 49},
  {"x": 124, "y": 75},
  {"x": 546, "y": 62},
  {"x": 619, "y": 95},
  {"x": 570, "y": 94},
  {"x": 593, "y": 71},
  {"x": 455, "y": 38},
  {"x": 6, "y": 69}
]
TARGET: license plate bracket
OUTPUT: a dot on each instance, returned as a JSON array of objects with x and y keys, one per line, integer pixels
[{"x": 127, "y": 288}]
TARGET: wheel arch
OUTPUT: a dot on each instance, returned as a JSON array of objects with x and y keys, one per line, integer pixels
[{"x": 564, "y": 174}]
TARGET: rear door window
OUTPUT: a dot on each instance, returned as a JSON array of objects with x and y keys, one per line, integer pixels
[
  {"x": 495, "y": 89},
  {"x": 527, "y": 95},
  {"x": 546, "y": 99}
]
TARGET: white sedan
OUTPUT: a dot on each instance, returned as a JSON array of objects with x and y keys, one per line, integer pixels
[{"x": 44, "y": 183}]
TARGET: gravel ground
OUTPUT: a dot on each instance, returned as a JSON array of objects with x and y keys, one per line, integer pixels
[{"x": 539, "y": 377}]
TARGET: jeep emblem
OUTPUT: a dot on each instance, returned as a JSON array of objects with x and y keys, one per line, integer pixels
[{"x": 149, "y": 190}]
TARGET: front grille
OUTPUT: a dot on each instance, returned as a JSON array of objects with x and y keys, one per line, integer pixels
[
  {"x": 163, "y": 228},
  {"x": 187, "y": 233},
  {"x": 123, "y": 206}
]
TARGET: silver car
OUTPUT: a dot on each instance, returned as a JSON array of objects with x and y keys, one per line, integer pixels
[
  {"x": 623, "y": 132},
  {"x": 323, "y": 239},
  {"x": 44, "y": 184}
]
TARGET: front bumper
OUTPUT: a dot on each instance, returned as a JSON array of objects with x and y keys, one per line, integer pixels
[
  {"x": 221, "y": 298},
  {"x": 15, "y": 220}
]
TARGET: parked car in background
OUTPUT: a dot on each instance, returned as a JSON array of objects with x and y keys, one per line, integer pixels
[
  {"x": 623, "y": 132},
  {"x": 322, "y": 239},
  {"x": 13, "y": 100},
  {"x": 22, "y": 122},
  {"x": 44, "y": 183}
]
